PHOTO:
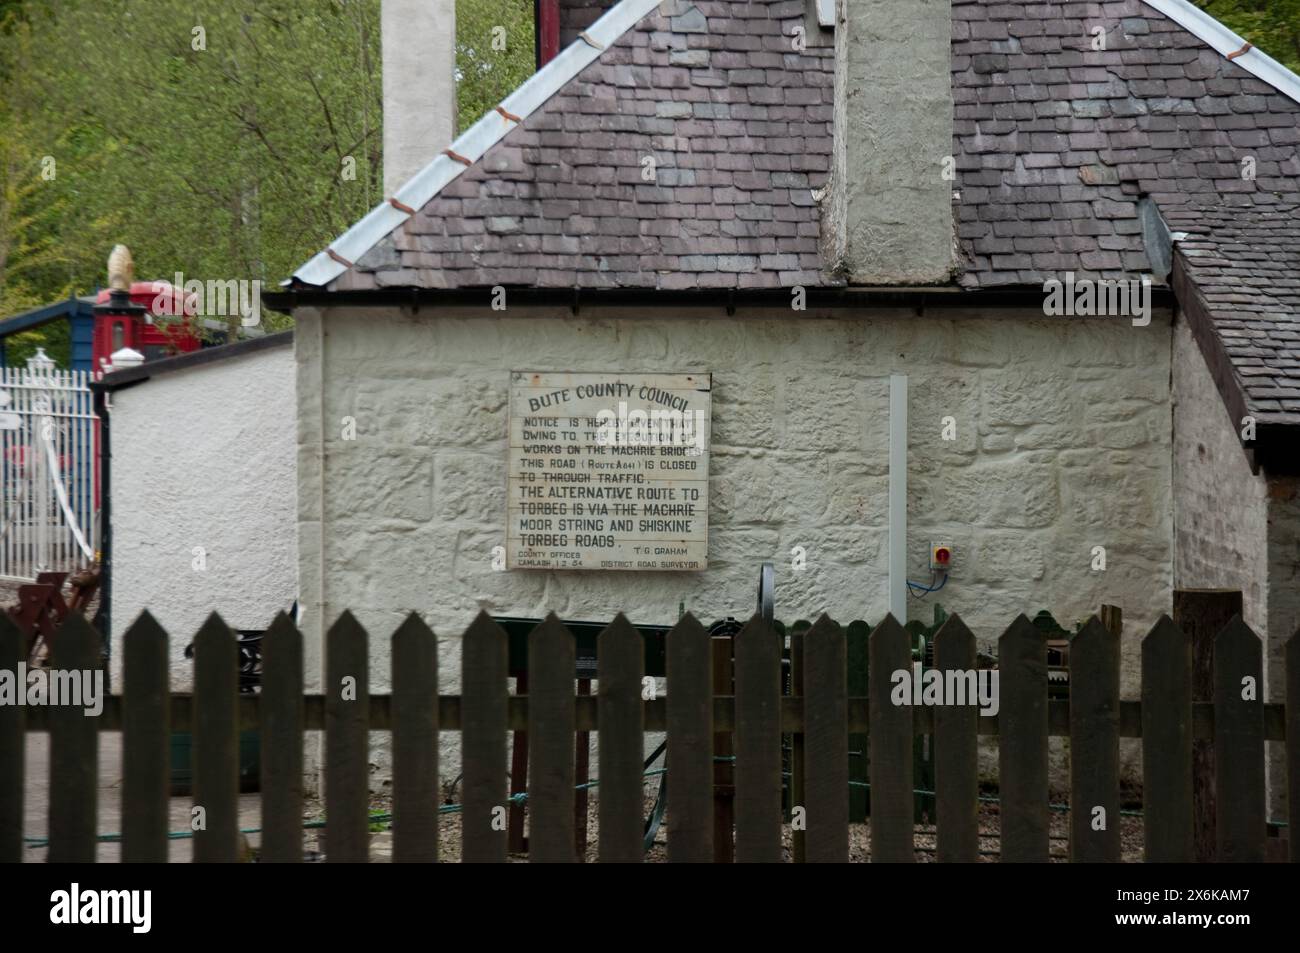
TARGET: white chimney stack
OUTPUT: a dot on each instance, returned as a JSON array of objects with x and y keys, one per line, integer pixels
[
  {"x": 890, "y": 219},
  {"x": 419, "y": 50}
]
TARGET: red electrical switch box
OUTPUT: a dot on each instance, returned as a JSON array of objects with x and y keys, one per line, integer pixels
[{"x": 940, "y": 557}]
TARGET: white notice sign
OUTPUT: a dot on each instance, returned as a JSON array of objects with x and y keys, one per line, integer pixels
[{"x": 608, "y": 471}]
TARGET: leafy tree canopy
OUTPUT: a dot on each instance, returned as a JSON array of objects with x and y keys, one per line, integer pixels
[{"x": 228, "y": 140}]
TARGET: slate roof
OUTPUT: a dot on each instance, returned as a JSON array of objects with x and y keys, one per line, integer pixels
[
  {"x": 1245, "y": 270},
  {"x": 1054, "y": 144},
  {"x": 1054, "y": 141},
  {"x": 738, "y": 125}
]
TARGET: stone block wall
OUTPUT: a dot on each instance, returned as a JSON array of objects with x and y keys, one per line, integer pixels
[{"x": 1062, "y": 444}]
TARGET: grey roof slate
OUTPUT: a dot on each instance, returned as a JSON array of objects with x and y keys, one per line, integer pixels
[
  {"x": 1246, "y": 271},
  {"x": 738, "y": 126},
  {"x": 1054, "y": 143}
]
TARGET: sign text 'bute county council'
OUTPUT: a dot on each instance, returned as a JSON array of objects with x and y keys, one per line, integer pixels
[{"x": 608, "y": 471}]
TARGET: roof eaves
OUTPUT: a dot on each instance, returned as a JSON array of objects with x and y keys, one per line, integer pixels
[
  {"x": 1254, "y": 61},
  {"x": 470, "y": 146},
  {"x": 116, "y": 380},
  {"x": 25, "y": 320}
]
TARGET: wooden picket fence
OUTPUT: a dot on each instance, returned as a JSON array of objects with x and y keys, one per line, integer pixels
[{"x": 1094, "y": 719}]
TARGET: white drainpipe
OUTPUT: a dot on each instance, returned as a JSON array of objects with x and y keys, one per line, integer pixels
[{"x": 898, "y": 497}]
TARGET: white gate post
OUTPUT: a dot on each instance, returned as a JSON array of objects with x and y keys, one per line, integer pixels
[{"x": 40, "y": 366}]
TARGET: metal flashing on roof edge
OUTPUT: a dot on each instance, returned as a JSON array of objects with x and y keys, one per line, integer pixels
[
  {"x": 1157, "y": 240},
  {"x": 1229, "y": 45},
  {"x": 471, "y": 145}
]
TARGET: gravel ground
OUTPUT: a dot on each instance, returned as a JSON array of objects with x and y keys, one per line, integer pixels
[{"x": 859, "y": 836}]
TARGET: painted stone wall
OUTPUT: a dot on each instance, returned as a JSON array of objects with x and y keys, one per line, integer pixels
[
  {"x": 203, "y": 457},
  {"x": 1062, "y": 444},
  {"x": 1220, "y": 507},
  {"x": 1234, "y": 529}
]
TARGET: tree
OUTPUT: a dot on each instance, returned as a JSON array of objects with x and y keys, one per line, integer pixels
[
  {"x": 231, "y": 141},
  {"x": 231, "y": 144},
  {"x": 494, "y": 53},
  {"x": 1271, "y": 25}
]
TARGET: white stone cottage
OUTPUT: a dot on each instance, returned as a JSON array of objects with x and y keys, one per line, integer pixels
[{"x": 920, "y": 171}]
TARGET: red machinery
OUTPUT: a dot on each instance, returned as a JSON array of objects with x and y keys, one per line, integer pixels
[{"x": 131, "y": 322}]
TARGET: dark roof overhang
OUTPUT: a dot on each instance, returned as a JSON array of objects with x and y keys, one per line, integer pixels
[{"x": 825, "y": 298}]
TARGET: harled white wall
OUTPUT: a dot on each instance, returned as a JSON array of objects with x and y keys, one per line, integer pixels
[
  {"x": 1063, "y": 443},
  {"x": 204, "y": 458}
]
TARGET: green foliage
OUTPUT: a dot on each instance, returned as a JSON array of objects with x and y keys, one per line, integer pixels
[
  {"x": 1271, "y": 25},
  {"x": 217, "y": 143},
  {"x": 228, "y": 141},
  {"x": 55, "y": 338},
  {"x": 494, "y": 53}
]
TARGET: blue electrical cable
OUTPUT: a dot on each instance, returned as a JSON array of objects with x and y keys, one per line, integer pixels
[{"x": 915, "y": 587}]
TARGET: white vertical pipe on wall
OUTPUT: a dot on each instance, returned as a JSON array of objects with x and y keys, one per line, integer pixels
[{"x": 898, "y": 497}]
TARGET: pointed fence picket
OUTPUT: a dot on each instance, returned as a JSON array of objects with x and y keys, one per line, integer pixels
[
  {"x": 483, "y": 742},
  {"x": 1094, "y": 744},
  {"x": 1292, "y": 661},
  {"x": 1167, "y": 743},
  {"x": 956, "y": 753},
  {"x": 826, "y": 743},
  {"x": 1022, "y": 743},
  {"x": 621, "y": 660},
  {"x": 758, "y": 743},
  {"x": 145, "y": 737},
  {"x": 347, "y": 757},
  {"x": 890, "y": 740},
  {"x": 216, "y": 743},
  {"x": 690, "y": 742},
  {"x": 282, "y": 718},
  {"x": 1239, "y": 744},
  {"x": 415, "y": 742},
  {"x": 74, "y": 752},
  {"x": 550, "y": 740},
  {"x": 826, "y": 714},
  {"x": 857, "y": 634}
]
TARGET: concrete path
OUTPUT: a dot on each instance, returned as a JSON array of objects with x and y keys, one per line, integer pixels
[{"x": 36, "y": 801}]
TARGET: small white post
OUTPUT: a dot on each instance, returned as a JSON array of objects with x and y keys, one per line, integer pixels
[
  {"x": 39, "y": 368},
  {"x": 898, "y": 497},
  {"x": 123, "y": 358}
]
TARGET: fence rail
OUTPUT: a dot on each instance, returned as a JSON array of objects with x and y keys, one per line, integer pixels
[{"x": 1094, "y": 718}]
